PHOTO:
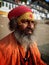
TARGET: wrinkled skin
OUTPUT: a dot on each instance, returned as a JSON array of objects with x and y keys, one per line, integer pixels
[{"x": 26, "y": 26}]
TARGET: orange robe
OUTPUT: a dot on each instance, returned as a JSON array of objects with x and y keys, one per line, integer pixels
[{"x": 11, "y": 53}]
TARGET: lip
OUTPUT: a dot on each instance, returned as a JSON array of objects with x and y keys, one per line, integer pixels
[{"x": 29, "y": 31}]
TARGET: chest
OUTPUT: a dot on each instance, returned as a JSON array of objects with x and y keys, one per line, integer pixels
[{"x": 21, "y": 58}]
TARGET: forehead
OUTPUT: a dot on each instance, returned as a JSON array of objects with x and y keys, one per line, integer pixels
[
  {"x": 26, "y": 20},
  {"x": 26, "y": 16}
]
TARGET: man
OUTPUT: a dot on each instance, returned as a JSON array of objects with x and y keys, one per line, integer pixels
[{"x": 19, "y": 48}]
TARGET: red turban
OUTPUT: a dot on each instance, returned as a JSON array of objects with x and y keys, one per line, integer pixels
[{"x": 18, "y": 11}]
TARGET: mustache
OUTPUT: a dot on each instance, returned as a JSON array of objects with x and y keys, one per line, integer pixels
[{"x": 29, "y": 29}]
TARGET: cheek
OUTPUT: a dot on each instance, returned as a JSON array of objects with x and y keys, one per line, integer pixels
[{"x": 22, "y": 27}]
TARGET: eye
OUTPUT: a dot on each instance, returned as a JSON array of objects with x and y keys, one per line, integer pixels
[
  {"x": 28, "y": 21},
  {"x": 32, "y": 22},
  {"x": 24, "y": 21}
]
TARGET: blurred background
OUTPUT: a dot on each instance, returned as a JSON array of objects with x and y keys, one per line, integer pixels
[{"x": 41, "y": 11}]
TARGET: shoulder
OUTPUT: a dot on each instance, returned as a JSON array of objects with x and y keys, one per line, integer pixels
[
  {"x": 7, "y": 44},
  {"x": 6, "y": 38}
]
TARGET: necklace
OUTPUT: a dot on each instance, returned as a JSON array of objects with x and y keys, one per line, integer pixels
[{"x": 26, "y": 56}]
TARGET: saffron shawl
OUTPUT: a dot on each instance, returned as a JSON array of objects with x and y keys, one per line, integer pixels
[{"x": 11, "y": 53}]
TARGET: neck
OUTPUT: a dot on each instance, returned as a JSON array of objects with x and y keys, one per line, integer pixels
[{"x": 25, "y": 46}]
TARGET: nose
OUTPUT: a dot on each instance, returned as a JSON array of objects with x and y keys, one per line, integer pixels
[{"x": 29, "y": 25}]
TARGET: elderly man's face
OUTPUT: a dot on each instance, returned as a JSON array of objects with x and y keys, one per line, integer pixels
[{"x": 26, "y": 26}]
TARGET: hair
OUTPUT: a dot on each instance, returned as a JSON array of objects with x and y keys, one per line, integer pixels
[{"x": 13, "y": 24}]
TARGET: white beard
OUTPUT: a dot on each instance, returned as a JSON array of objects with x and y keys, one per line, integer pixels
[{"x": 24, "y": 39}]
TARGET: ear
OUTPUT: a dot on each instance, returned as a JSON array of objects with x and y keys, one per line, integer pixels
[{"x": 13, "y": 24}]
